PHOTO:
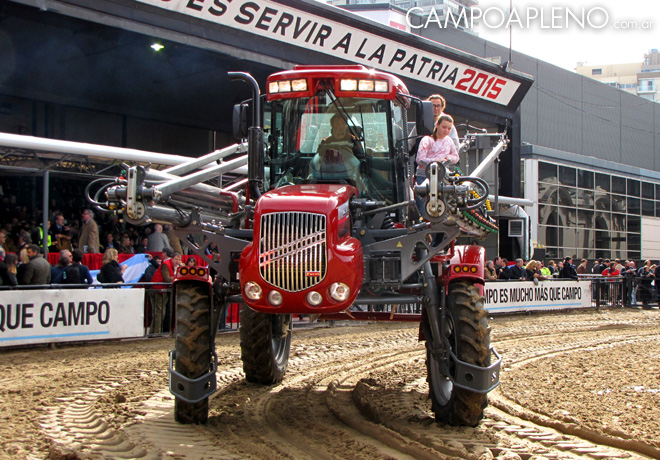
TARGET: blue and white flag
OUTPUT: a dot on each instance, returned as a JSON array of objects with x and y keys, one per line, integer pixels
[{"x": 135, "y": 267}]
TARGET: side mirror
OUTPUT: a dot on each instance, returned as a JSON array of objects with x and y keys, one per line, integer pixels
[
  {"x": 240, "y": 120},
  {"x": 425, "y": 118}
]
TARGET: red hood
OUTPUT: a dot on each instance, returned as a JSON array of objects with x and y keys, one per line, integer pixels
[{"x": 319, "y": 198}]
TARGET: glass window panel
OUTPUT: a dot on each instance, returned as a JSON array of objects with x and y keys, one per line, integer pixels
[
  {"x": 619, "y": 222},
  {"x": 567, "y": 238},
  {"x": 618, "y": 203},
  {"x": 633, "y": 205},
  {"x": 647, "y": 190},
  {"x": 567, "y": 176},
  {"x": 635, "y": 242},
  {"x": 657, "y": 208},
  {"x": 619, "y": 243},
  {"x": 547, "y": 193},
  {"x": 602, "y": 201},
  {"x": 602, "y": 242},
  {"x": 567, "y": 217},
  {"x": 567, "y": 196},
  {"x": 657, "y": 190},
  {"x": 585, "y": 199},
  {"x": 633, "y": 187},
  {"x": 586, "y": 219},
  {"x": 548, "y": 235},
  {"x": 585, "y": 238},
  {"x": 619, "y": 185},
  {"x": 648, "y": 208},
  {"x": 634, "y": 224},
  {"x": 547, "y": 172},
  {"x": 548, "y": 215},
  {"x": 603, "y": 220},
  {"x": 585, "y": 179},
  {"x": 603, "y": 182},
  {"x": 634, "y": 255}
]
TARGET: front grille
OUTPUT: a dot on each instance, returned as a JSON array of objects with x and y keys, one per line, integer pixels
[{"x": 292, "y": 250}]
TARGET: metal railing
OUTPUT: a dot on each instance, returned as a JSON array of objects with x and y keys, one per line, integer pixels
[{"x": 623, "y": 291}]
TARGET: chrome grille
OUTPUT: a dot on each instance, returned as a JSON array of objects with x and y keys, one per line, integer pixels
[{"x": 292, "y": 250}]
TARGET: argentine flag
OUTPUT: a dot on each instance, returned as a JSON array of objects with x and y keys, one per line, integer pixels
[{"x": 136, "y": 266}]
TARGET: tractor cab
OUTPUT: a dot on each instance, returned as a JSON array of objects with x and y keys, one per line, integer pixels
[{"x": 343, "y": 128}]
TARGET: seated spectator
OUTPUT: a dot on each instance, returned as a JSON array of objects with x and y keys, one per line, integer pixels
[
  {"x": 545, "y": 271},
  {"x": 8, "y": 270},
  {"x": 37, "y": 270},
  {"x": 109, "y": 242},
  {"x": 518, "y": 271},
  {"x": 61, "y": 234},
  {"x": 11, "y": 239},
  {"x": 126, "y": 247},
  {"x": 111, "y": 271},
  {"x": 582, "y": 268},
  {"x": 505, "y": 272},
  {"x": 568, "y": 270},
  {"x": 23, "y": 240},
  {"x": 489, "y": 270},
  {"x": 141, "y": 248},
  {"x": 76, "y": 272},
  {"x": 57, "y": 270},
  {"x": 532, "y": 271}
]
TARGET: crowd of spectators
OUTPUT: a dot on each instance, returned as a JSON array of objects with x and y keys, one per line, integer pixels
[
  {"x": 637, "y": 284},
  {"x": 73, "y": 236}
]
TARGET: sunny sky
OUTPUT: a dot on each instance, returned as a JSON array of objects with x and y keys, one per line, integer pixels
[{"x": 592, "y": 32}]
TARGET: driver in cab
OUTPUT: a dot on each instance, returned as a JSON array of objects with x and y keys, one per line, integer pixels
[{"x": 336, "y": 156}]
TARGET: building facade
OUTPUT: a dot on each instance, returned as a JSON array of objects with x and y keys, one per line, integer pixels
[{"x": 642, "y": 78}]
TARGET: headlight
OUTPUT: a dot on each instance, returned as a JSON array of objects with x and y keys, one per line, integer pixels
[
  {"x": 275, "y": 298},
  {"x": 314, "y": 299},
  {"x": 252, "y": 290},
  {"x": 340, "y": 291}
]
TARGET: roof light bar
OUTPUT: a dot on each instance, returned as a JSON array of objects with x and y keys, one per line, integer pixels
[
  {"x": 287, "y": 86},
  {"x": 351, "y": 84}
]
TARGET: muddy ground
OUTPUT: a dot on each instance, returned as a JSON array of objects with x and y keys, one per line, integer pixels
[{"x": 580, "y": 384}]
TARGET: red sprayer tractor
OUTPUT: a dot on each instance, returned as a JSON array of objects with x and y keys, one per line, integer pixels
[{"x": 326, "y": 224}]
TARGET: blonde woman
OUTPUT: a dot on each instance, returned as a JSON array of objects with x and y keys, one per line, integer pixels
[
  {"x": 532, "y": 271},
  {"x": 111, "y": 272}
]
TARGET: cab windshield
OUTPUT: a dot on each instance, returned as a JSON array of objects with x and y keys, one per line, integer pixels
[{"x": 324, "y": 139}]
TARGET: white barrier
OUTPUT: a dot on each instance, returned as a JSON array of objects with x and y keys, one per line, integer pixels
[
  {"x": 65, "y": 315},
  {"x": 514, "y": 296}
]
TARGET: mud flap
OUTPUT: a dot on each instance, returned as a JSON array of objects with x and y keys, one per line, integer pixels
[
  {"x": 469, "y": 376},
  {"x": 192, "y": 390}
]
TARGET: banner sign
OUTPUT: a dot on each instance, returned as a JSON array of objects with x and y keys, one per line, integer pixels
[
  {"x": 513, "y": 296},
  {"x": 296, "y": 27},
  {"x": 65, "y": 315}
]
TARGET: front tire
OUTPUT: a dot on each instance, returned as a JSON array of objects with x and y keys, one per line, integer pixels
[
  {"x": 265, "y": 345},
  {"x": 469, "y": 338},
  {"x": 192, "y": 345}
]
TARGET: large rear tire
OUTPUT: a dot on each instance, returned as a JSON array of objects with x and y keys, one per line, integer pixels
[
  {"x": 468, "y": 334},
  {"x": 193, "y": 346},
  {"x": 265, "y": 345}
]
